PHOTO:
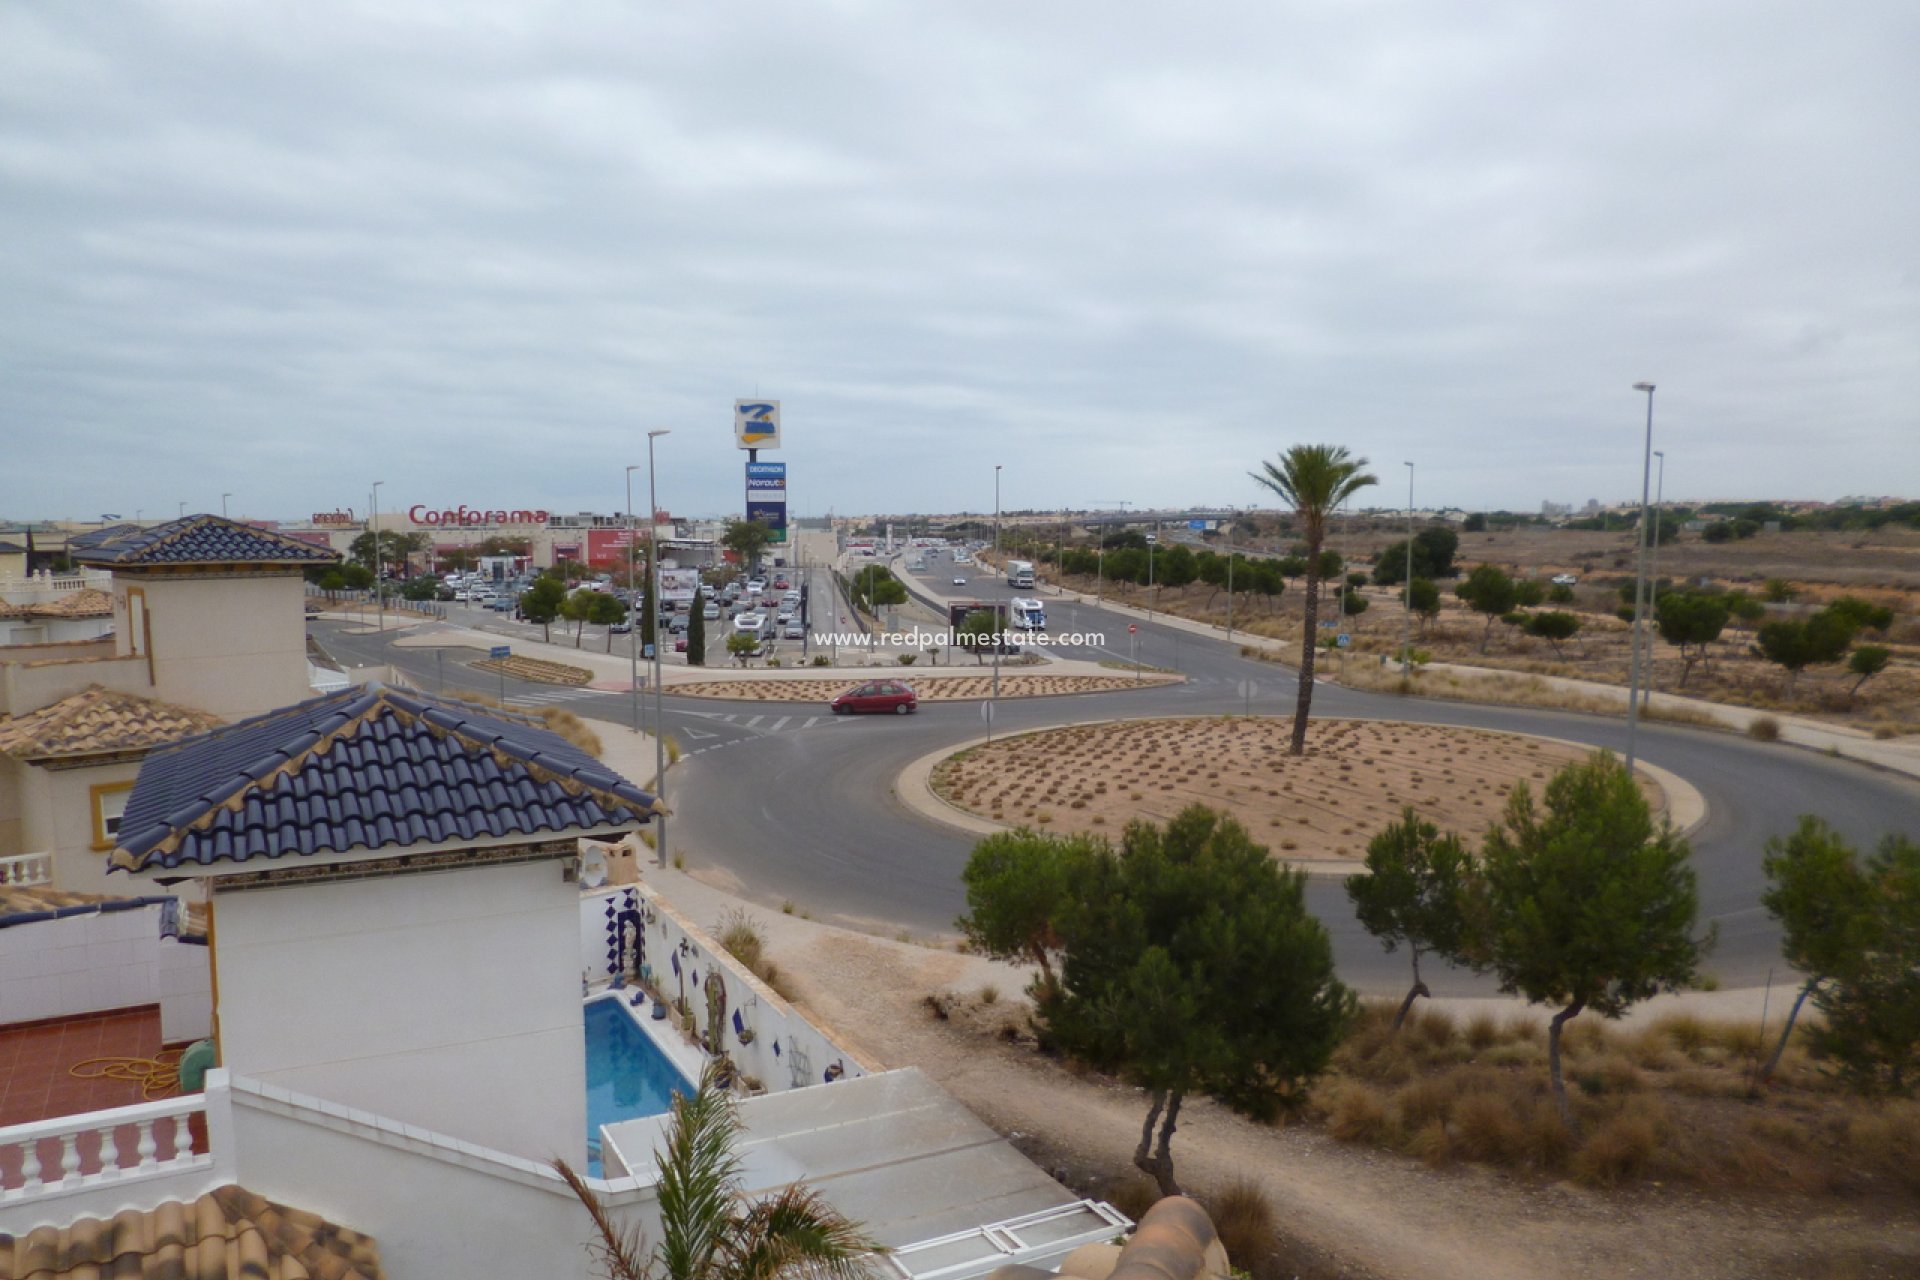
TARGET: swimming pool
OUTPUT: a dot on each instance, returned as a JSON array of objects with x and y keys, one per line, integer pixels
[{"x": 627, "y": 1074}]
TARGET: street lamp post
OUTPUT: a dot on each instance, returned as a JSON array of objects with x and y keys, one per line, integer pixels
[
  {"x": 1639, "y": 584},
  {"x": 373, "y": 514},
  {"x": 633, "y": 608},
  {"x": 1653, "y": 575},
  {"x": 1406, "y": 620},
  {"x": 223, "y": 505},
  {"x": 653, "y": 585},
  {"x": 996, "y": 511},
  {"x": 183, "y": 509}
]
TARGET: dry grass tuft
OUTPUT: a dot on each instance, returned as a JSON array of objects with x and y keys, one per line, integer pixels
[
  {"x": 573, "y": 729},
  {"x": 1359, "y": 1114},
  {"x": 1620, "y": 1147},
  {"x": 1244, "y": 1219},
  {"x": 1763, "y": 729}
]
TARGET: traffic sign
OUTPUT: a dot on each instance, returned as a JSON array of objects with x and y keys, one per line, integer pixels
[
  {"x": 500, "y": 651},
  {"x": 1133, "y": 628},
  {"x": 1342, "y": 640}
]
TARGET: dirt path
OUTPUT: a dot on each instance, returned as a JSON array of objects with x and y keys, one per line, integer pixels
[{"x": 1358, "y": 1212}]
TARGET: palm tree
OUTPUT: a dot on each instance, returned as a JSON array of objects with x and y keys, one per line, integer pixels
[
  {"x": 1314, "y": 479},
  {"x": 708, "y": 1231}
]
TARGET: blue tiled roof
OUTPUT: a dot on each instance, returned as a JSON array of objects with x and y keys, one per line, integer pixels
[
  {"x": 196, "y": 540},
  {"x": 365, "y": 768}
]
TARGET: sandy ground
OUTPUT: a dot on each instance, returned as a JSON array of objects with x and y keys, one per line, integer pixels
[
  {"x": 1354, "y": 779},
  {"x": 1368, "y": 1213}
]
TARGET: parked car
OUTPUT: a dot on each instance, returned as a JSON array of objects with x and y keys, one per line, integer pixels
[
  {"x": 680, "y": 642},
  {"x": 1565, "y": 579},
  {"x": 620, "y": 628},
  {"x": 781, "y": 584},
  {"x": 877, "y": 695},
  {"x": 794, "y": 630},
  {"x": 710, "y": 611},
  {"x": 959, "y": 581}
]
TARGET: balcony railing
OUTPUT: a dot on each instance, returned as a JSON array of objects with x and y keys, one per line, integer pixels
[
  {"x": 68, "y": 1154},
  {"x": 23, "y": 870}
]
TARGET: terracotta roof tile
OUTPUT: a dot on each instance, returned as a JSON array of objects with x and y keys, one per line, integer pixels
[
  {"x": 84, "y": 603},
  {"x": 195, "y": 540},
  {"x": 98, "y": 721},
  {"x": 365, "y": 768},
  {"x": 227, "y": 1234}
]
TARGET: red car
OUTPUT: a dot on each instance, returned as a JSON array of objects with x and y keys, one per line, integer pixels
[
  {"x": 877, "y": 695},
  {"x": 781, "y": 584}
]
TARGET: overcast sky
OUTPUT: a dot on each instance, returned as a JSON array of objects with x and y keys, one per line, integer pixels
[{"x": 1125, "y": 250}]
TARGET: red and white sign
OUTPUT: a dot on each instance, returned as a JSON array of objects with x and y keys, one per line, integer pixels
[{"x": 1132, "y": 628}]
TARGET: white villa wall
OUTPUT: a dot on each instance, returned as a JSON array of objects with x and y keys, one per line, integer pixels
[
  {"x": 57, "y": 818},
  {"x": 232, "y": 645},
  {"x": 104, "y": 960},
  {"x": 438, "y": 1211},
  {"x": 13, "y": 839},
  {"x": 449, "y": 1001},
  {"x": 30, "y": 685},
  {"x": 804, "y": 1052}
]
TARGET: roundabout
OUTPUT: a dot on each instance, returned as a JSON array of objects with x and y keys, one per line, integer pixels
[
  {"x": 1318, "y": 810},
  {"x": 785, "y": 808}
]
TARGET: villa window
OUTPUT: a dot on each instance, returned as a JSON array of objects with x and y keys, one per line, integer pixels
[{"x": 109, "y": 804}]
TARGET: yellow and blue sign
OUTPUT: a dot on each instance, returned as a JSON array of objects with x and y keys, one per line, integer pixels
[{"x": 756, "y": 424}]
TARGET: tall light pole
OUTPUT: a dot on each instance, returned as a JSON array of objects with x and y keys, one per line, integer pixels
[
  {"x": 653, "y": 585},
  {"x": 1653, "y": 574},
  {"x": 1406, "y": 620},
  {"x": 223, "y": 505},
  {"x": 633, "y": 610},
  {"x": 373, "y": 514},
  {"x": 183, "y": 509},
  {"x": 996, "y": 511},
  {"x": 1639, "y": 584}
]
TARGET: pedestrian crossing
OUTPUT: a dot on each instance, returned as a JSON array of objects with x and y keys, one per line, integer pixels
[
  {"x": 768, "y": 722},
  {"x": 553, "y": 697}
]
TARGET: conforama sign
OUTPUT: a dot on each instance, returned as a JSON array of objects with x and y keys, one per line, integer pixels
[{"x": 469, "y": 517}]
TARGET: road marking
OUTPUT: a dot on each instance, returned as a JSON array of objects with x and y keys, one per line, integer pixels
[
  {"x": 811, "y": 721},
  {"x": 696, "y": 735},
  {"x": 779, "y": 724},
  {"x": 754, "y": 723}
]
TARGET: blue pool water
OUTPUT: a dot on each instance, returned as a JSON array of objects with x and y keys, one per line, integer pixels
[{"x": 627, "y": 1074}]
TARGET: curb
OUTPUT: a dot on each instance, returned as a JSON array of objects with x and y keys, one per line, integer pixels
[{"x": 913, "y": 785}]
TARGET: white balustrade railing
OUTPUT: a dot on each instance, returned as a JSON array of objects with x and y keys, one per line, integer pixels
[
  {"x": 23, "y": 870},
  {"x": 72, "y": 1153}
]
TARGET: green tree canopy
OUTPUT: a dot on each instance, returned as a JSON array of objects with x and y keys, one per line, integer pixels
[
  {"x": 1868, "y": 661},
  {"x": 1414, "y": 892},
  {"x": 740, "y": 646},
  {"x": 1796, "y": 644},
  {"x": 603, "y": 610},
  {"x": 1553, "y": 626},
  {"x": 1819, "y": 894},
  {"x": 1018, "y": 886},
  {"x": 976, "y": 632},
  {"x": 1424, "y": 596},
  {"x": 1588, "y": 904},
  {"x": 1690, "y": 622},
  {"x": 747, "y": 539},
  {"x": 1871, "y": 1008},
  {"x": 1433, "y": 552},
  {"x": 1313, "y": 479},
  {"x": 542, "y": 602},
  {"x": 1488, "y": 590},
  {"x": 697, "y": 629},
  {"x": 1193, "y": 964}
]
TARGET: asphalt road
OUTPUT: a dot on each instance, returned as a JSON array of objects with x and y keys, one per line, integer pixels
[{"x": 799, "y": 807}]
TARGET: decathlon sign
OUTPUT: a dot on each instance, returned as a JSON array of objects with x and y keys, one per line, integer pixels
[
  {"x": 767, "y": 496},
  {"x": 756, "y": 424}
]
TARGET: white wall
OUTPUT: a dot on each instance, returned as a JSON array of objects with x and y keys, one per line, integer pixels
[
  {"x": 448, "y": 1000},
  {"x": 104, "y": 960},
  {"x": 435, "y": 1211},
  {"x": 771, "y": 1019},
  {"x": 58, "y": 819},
  {"x": 233, "y": 645}
]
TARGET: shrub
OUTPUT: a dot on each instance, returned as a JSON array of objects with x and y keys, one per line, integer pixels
[
  {"x": 1244, "y": 1220},
  {"x": 1359, "y": 1113},
  {"x": 821, "y": 660},
  {"x": 906, "y": 659},
  {"x": 1485, "y": 1127},
  {"x": 1763, "y": 729},
  {"x": 1620, "y": 1148},
  {"x": 739, "y": 933}
]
